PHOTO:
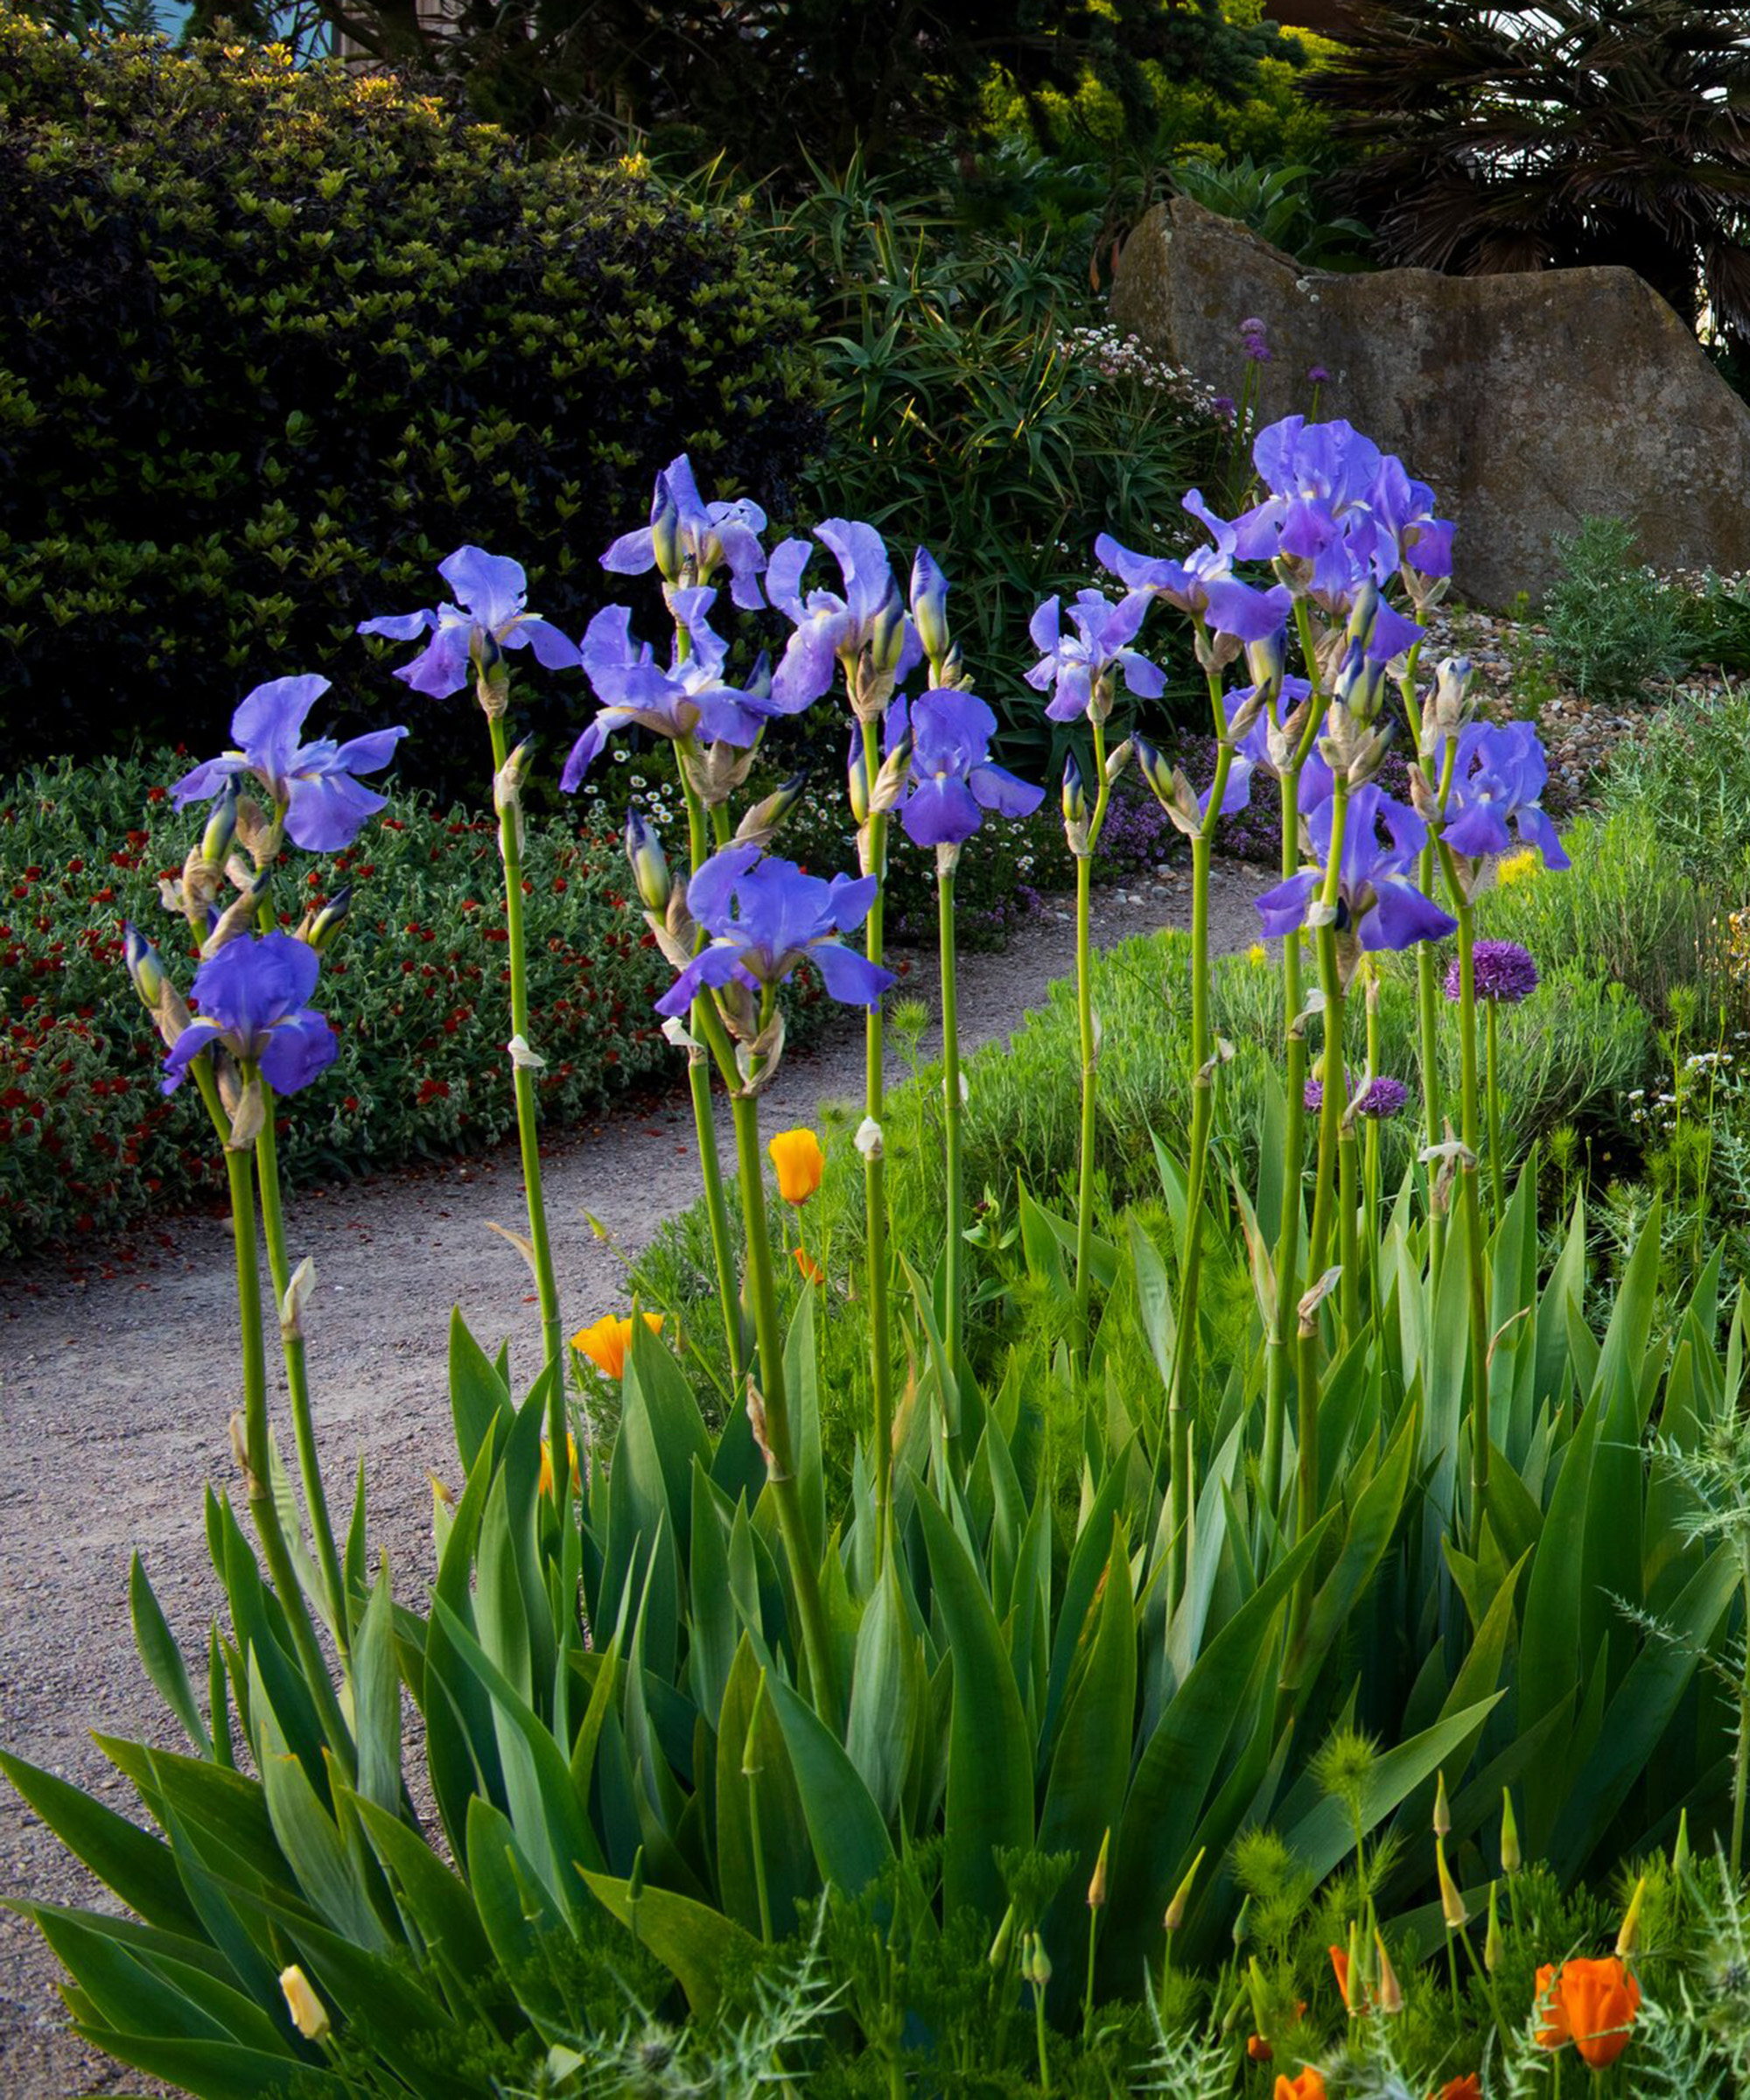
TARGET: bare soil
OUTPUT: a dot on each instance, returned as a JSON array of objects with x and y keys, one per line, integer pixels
[{"x": 117, "y": 1384}]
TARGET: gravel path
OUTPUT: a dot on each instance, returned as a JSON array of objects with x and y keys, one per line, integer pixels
[{"x": 116, "y": 1389}]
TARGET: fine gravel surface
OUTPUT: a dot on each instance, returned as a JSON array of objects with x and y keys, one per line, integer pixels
[{"x": 117, "y": 1378}]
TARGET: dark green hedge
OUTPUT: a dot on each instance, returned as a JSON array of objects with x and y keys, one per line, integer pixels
[{"x": 273, "y": 341}]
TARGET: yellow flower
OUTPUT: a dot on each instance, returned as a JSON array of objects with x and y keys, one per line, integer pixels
[
  {"x": 1518, "y": 867},
  {"x": 546, "y": 1487},
  {"x": 1257, "y": 955},
  {"x": 799, "y": 1160},
  {"x": 309, "y": 2015},
  {"x": 606, "y": 1342}
]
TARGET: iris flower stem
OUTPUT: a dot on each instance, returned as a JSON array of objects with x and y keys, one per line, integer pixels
[
  {"x": 297, "y": 1385},
  {"x": 1202, "y": 1115},
  {"x": 780, "y": 1469},
  {"x": 772, "y": 1413},
  {"x": 1427, "y": 991},
  {"x": 1278, "y": 1361},
  {"x": 1324, "y": 1192},
  {"x": 875, "y": 1172},
  {"x": 522, "y": 1081},
  {"x": 239, "y": 1169},
  {"x": 1492, "y": 1094},
  {"x": 705, "y": 1124},
  {"x": 956, "y": 1205},
  {"x": 1084, "y": 1013},
  {"x": 1464, "y": 912},
  {"x": 1370, "y": 1190}
]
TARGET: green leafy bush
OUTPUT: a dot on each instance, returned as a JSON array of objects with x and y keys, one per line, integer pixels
[
  {"x": 1276, "y": 200},
  {"x": 274, "y": 340},
  {"x": 1614, "y": 624},
  {"x": 87, "y": 1140}
]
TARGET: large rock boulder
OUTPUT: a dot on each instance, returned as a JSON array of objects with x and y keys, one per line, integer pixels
[{"x": 1528, "y": 402}]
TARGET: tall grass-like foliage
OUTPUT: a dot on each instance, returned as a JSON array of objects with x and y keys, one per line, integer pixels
[{"x": 1366, "y": 1527}]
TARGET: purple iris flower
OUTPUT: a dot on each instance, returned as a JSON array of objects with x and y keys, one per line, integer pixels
[
  {"x": 952, "y": 780},
  {"x": 1247, "y": 614},
  {"x": 325, "y": 808},
  {"x": 1185, "y": 584},
  {"x": 490, "y": 593},
  {"x": 1407, "y": 533},
  {"x": 870, "y": 614},
  {"x": 691, "y": 698},
  {"x": 251, "y": 998},
  {"x": 1499, "y": 772},
  {"x": 1076, "y": 664},
  {"x": 1375, "y": 895},
  {"x": 705, "y": 536},
  {"x": 765, "y": 916},
  {"x": 1317, "y": 473}
]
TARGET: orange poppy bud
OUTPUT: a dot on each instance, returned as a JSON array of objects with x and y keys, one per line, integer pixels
[
  {"x": 608, "y": 1341},
  {"x": 1258, "y": 2050},
  {"x": 1340, "y": 1963},
  {"x": 812, "y": 1272},
  {"x": 799, "y": 1161},
  {"x": 1310, "y": 2085},
  {"x": 1601, "y": 1999}
]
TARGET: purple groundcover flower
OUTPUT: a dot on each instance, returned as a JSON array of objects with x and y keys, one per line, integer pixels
[
  {"x": 953, "y": 780},
  {"x": 490, "y": 594},
  {"x": 765, "y": 916},
  {"x": 251, "y": 998},
  {"x": 1384, "y": 1097},
  {"x": 1376, "y": 897},
  {"x": 1506, "y": 973},
  {"x": 691, "y": 698},
  {"x": 1075, "y": 664},
  {"x": 705, "y": 536},
  {"x": 325, "y": 808},
  {"x": 870, "y": 614},
  {"x": 1499, "y": 773}
]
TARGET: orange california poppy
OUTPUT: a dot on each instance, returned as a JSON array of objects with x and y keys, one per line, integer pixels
[
  {"x": 812, "y": 1272},
  {"x": 1553, "y": 2031},
  {"x": 606, "y": 1342},
  {"x": 1257, "y": 2049},
  {"x": 799, "y": 1160},
  {"x": 1601, "y": 1999},
  {"x": 1468, "y": 2087},
  {"x": 1339, "y": 1963},
  {"x": 547, "y": 1464},
  {"x": 1310, "y": 2085}
]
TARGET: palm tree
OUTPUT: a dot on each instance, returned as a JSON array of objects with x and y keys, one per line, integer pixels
[{"x": 1577, "y": 131}]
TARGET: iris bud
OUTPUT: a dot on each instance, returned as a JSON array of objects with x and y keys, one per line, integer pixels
[
  {"x": 324, "y": 928},
  {"x": 1153, "y": 767},
  {"x": 221, "y": 828},
  {"x": 887, "y": 636},
  {"x": 144, "y": 965},
  {"x": 1074, "y": 795},
  {"x": 759, "y": 678},
  {"x": 650, "y": 863},
  {"x": 491, "y": 675},
  {"x": 952, "y": 670},
  {"x": 665, "y": 531},
  {"x": 930, "y": 605},
  {"x": 858, "y": 775},
  {"x": 1267, "y": 661},
  {"x": 1364, "y": 613},
  {"x": 765, "y": 817}
]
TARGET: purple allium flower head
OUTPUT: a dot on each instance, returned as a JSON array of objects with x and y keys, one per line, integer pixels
[
  {"x": 490, "y": 593},
  {"x": 952, "y": 780},
  {"x": 1075, "y": 664},
  {"x": 1224, "y": 407},
  {"x": 1383, "y": 1097},
  {"x": 1252, "y": 324},
  {"x": 1506, "y": 973},
  {"x": 869, "y": 614},
  {"x": 1375, "y": 894},
  {"x": 1317, "y": 375},
  {"x": 688, "y": 538},
  {"x": 325, "y": 808},
  {"x": 1184, "y": 584},
  {"x": 765, "y": 916},
  {"x": 1499, "y": 772},
  {"x": 250, "y": 996},
  {"x": 1259, "y": 351},
  {"x": 691, "y": 698}
]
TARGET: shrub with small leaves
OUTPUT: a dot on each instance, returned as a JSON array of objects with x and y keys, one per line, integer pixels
[
  {"x": 1613, "y": 623},
  {"x": 274, "y": 340}
]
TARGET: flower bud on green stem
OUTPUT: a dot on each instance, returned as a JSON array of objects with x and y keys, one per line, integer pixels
[
  {"x": 650, "y": 863},
  {"x": 221, "y": 828},
  {"x": 760, "y": 822},
  {"x": 322, "y": 929}
]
